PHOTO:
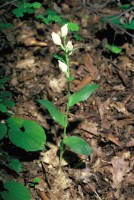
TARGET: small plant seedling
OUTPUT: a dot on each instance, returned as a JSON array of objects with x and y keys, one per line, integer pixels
[
  {"x": 113, "y": 48},
  {"x": 35, "y": 181},
  {"x": 77, "y": 144},
  {"x": 28, "y": 8}
]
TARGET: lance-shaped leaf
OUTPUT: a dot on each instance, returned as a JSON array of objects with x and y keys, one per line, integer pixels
[
  {"x": 78, "y": 145},
  {"x": 55, "y": 114},
  {"x": 83, "y": 94}
]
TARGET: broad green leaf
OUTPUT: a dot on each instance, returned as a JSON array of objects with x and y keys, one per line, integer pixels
[
  {"x": 125, "y": 6},
  {"x": 5, "y": 94},
  {"x": 15, "y": 164},
  {"x": 113, "y": 48},
  {"x": 15, "y": 191},
  {"x": 26, "y": 134},
  {"x": 3, "y": 81},
  {"x": 39, "y": 16},
  {"x": 3, "y": 108},
  {"x": 3, "y": 130},
  {"x": 78, "y": 145},
  {"x": 83, "y": 94},
  {"x": 19, "y": 12},
  {"x": 115, "y": 19},
  {"x": 30, "y": 10},
  {"x": 77, "y": 37},
  {"x": 5, "y": 26},
  {"x": 55, "y": 114},
  {"x": 55, "y": 18},
  {"x": 36, "y": 5},
  {"x": 51, "y": 12},
  {"x": 73, "y": 27},
  {"x": 129, "y": 26}
]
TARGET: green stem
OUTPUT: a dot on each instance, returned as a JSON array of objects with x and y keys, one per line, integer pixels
[{"x": 62, "y": 146}]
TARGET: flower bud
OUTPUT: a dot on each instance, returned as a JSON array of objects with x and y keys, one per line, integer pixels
[
  {"x": 69, "y": 46},
  {"x": 63, "y": 67},
  {"x": 56, "y": 39},
  {"x": 64, "y": 30}
]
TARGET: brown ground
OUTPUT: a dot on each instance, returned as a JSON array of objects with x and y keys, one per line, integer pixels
[{"x": 105, "y": 120}]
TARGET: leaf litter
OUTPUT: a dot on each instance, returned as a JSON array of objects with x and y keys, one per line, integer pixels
[{"x": 105, "y": 120}]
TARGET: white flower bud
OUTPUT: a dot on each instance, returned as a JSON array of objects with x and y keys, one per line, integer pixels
[
  {"x": 56, "y": 39},
  {"x": 64, "y": 30},
  {"x": 69, "y": 46},
  {"x": 63, "y": 67}
]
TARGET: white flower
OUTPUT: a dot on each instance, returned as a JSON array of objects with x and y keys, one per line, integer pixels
[
  {"x": 64, "y": 30},
  {"x": 56, "y": 39},
  {"x": 69, "y": 46},
  {"x": 63, "y": 67}
]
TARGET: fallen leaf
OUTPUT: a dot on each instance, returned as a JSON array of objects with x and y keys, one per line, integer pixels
[
  {"x": 119, "y": 170},
  {"x": 31, "y": 41},
  {"x": 25, "y": 63}
]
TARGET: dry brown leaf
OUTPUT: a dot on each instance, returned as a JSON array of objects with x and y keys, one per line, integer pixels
[
  {"x": 87, "y": 79},
  {"x": 125, "y": 63},
  {"x": 57, "y": 85},
  {"x": 91, "y": 127},
  {"x": 119, "y": 106},
  {"x": 114, "y": 139},
  {"x": 119, "y": 170},
  {"x": 26, "y": 63},
  {"x": 50, "y": 157},
  {"x": 103, "y": 107},
  {"x": 88, "y": 62},
  {"x": 31, "y": 41}
]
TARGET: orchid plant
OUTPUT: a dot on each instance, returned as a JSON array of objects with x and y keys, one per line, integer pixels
[{"x": 75, "y": 143}]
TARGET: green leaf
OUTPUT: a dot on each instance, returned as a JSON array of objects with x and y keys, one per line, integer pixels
[
  {"x": 60, "y": 57},
  {"x": 39, "y": 16},
  {"x": 19, "y": 12},
  {"x": 73, "y": 27},
  {"x": 36, "y": 5},
  {"x": 129, "y": 26},
  {"x": 3, "y": 108},
  {"x": 77, "y": 37},
  {"x": 3, "y": 81},
  {"x": 55, "y": 18},
  {"x": 83, "y": 94},
  {"x": 30, "y": 10},
  {"x": 26, "y": 134},
  {"x": 51, "y": 12},
  {"x": 125, "y": 6},
  {"x": 4, "y": 26},
  {"x": 55, "y": 114},
  {"x": 36, "y": 180},
  {"x": 113, "y": 18},
  {"x": 15, "y": 164},
  {"x": 70, "y": 79},
  {"x": 3, "y": 130},
  {"x": 113, "y": 48},
  {"x": 78, "y": 145},
  {"x": 15, "y": 191}
]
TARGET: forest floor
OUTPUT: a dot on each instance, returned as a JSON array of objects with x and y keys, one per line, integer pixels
[{"x": 105, "y": 120}]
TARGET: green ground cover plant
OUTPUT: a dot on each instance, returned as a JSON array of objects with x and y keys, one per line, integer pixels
[{"x": 25, "y": 134}]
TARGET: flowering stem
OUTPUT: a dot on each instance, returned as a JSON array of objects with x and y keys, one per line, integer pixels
[{"x": 62, "y": 146}]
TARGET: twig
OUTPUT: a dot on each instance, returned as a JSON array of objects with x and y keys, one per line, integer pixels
[
  {"x": 7, "y": 3},
  {"x": 108, "y": 20}
]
